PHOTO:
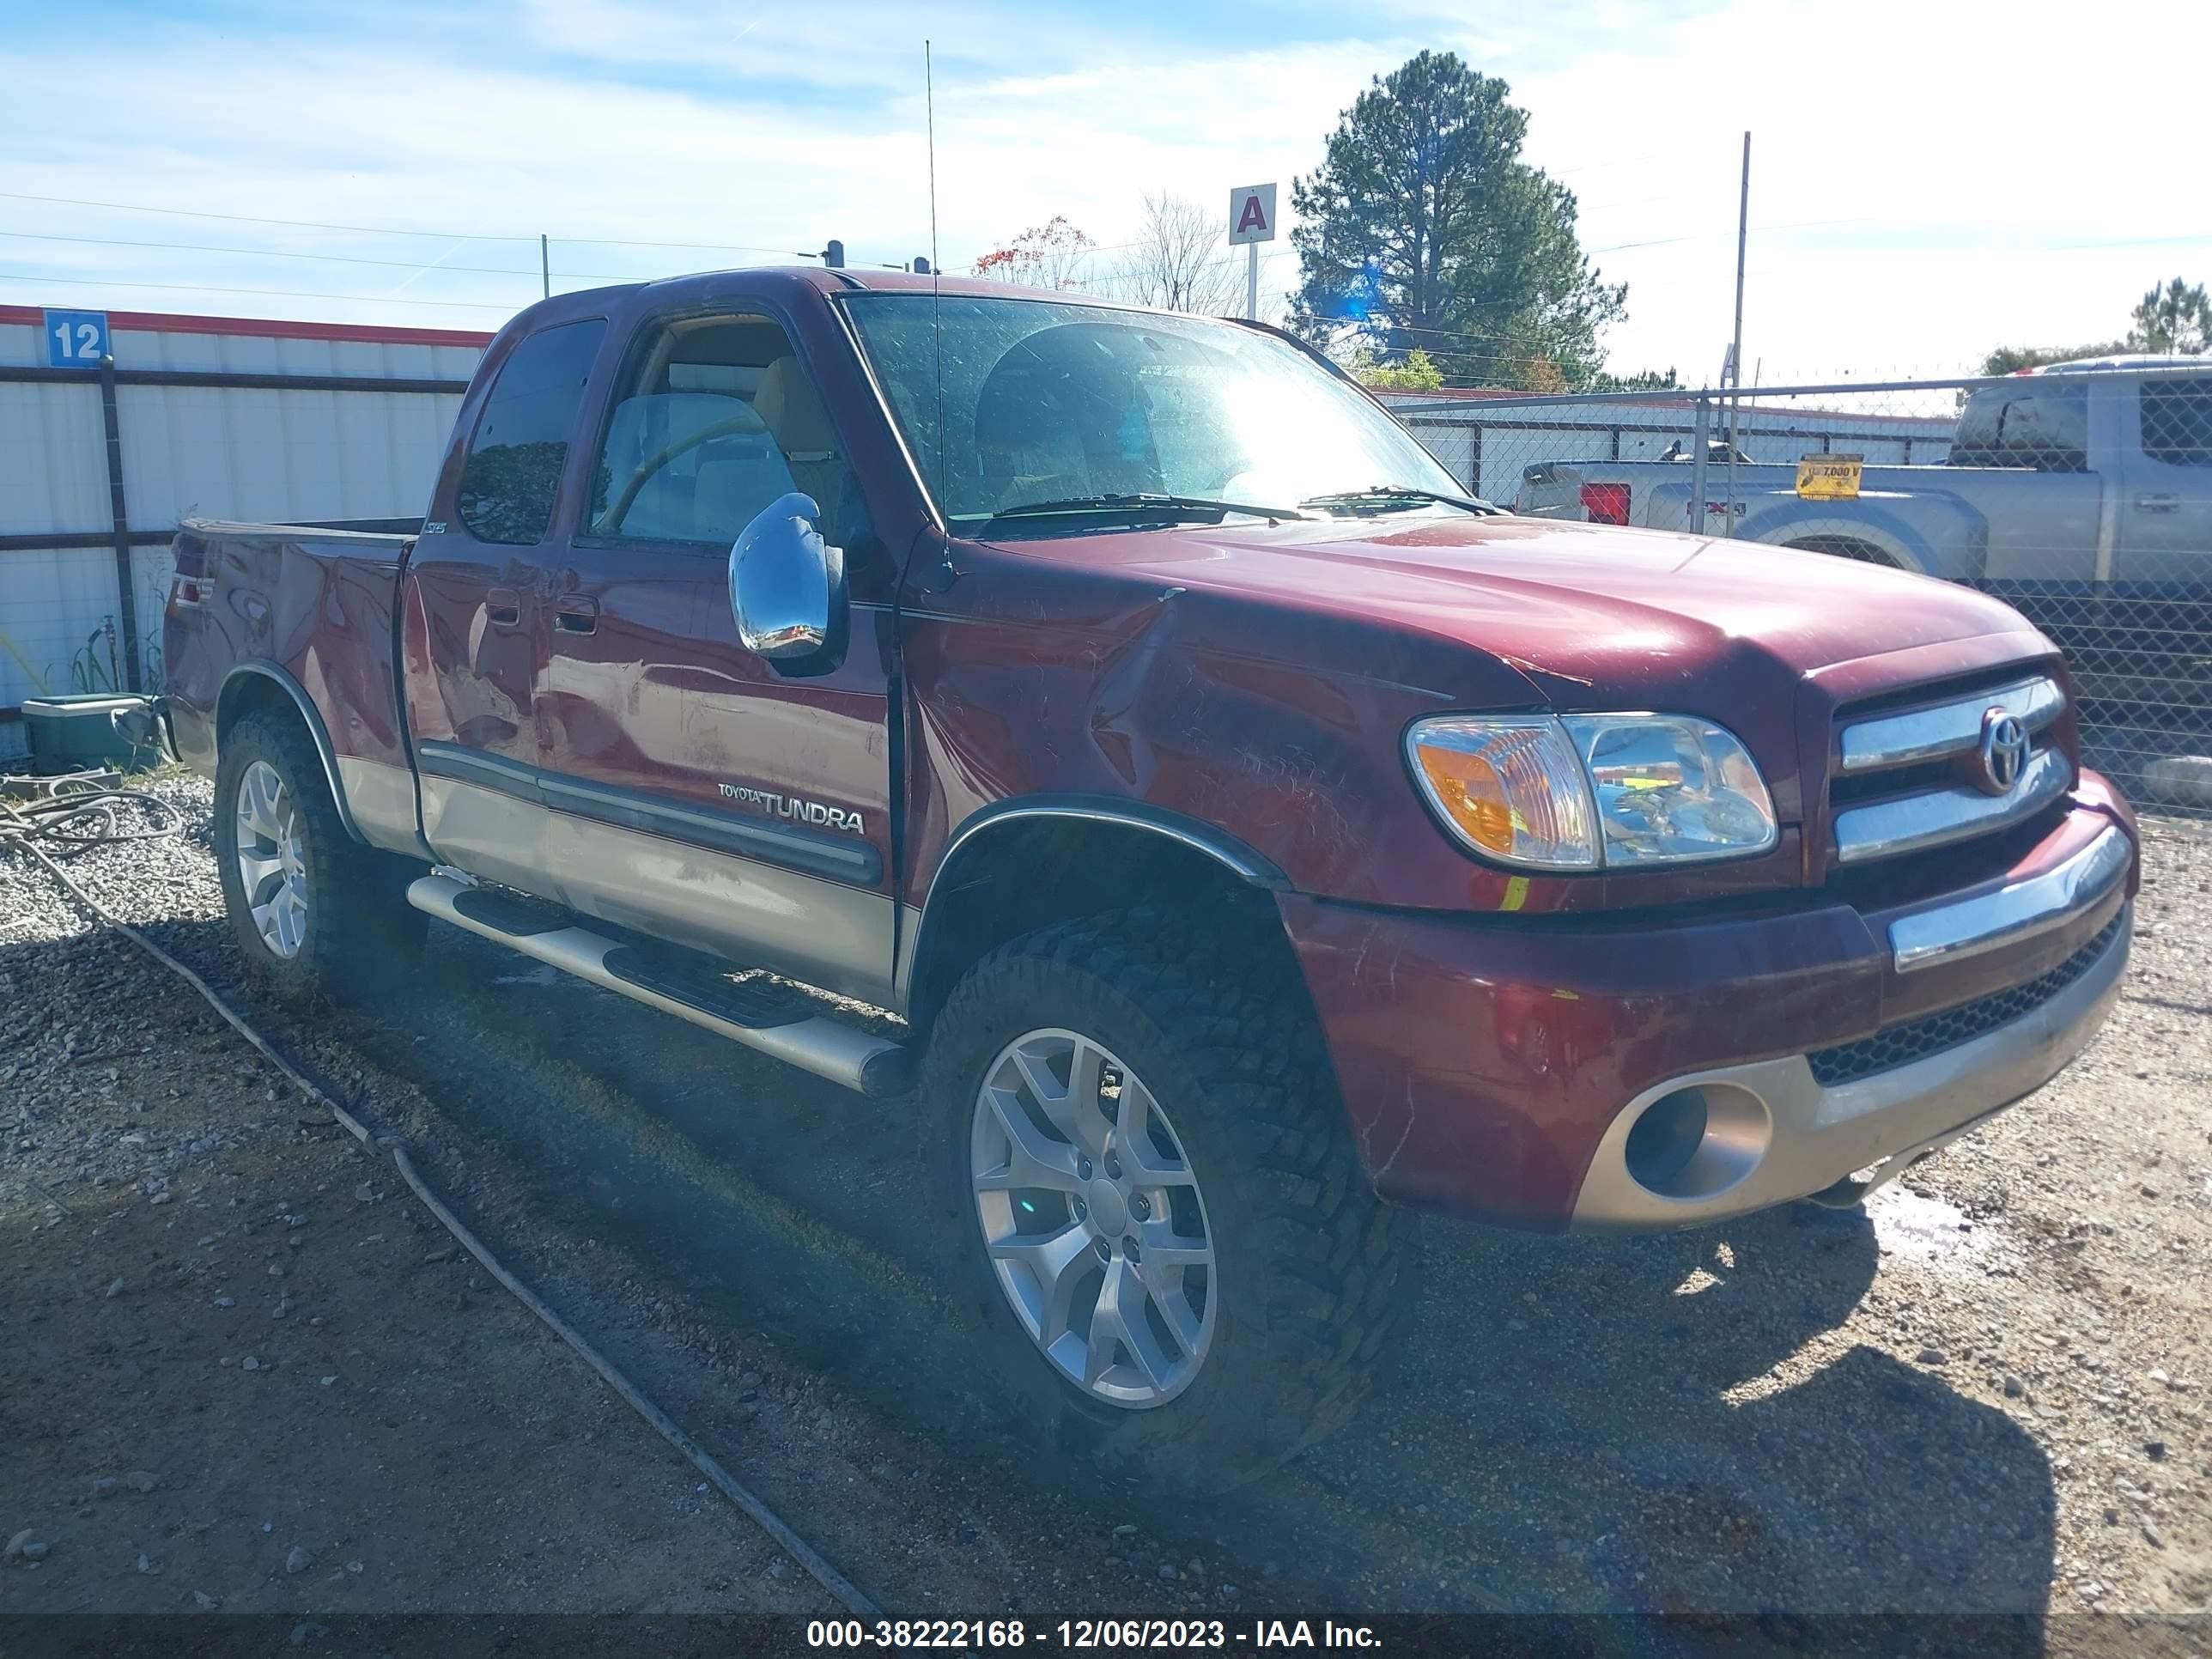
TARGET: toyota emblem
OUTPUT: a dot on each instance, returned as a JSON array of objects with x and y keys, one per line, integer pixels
[{"x": 2003, "y": 751}]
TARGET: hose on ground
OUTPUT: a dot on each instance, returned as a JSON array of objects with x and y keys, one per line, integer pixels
[
  {"x": 67, "y": 821},
  {"x": 74, "y": 823}
]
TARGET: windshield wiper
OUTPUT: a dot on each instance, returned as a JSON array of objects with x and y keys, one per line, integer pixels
[
  {"x": 1382, "y": 498},
  {"x": 1151, "y": 505}
]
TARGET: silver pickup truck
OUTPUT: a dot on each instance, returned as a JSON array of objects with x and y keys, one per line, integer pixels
[{"x": 2078, "y": 476}]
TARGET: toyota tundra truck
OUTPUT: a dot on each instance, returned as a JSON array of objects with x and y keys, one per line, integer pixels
[{"x": 1258, "y": 841}]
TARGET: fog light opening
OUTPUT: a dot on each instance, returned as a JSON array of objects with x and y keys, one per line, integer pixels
[
  {"x": 1695, "y": 1142},
  {"x": 1666, "y": 1138}
]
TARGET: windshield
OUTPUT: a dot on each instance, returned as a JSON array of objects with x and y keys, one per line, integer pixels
[{"x": 1047, "y": 401}]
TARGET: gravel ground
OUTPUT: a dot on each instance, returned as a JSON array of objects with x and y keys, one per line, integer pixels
[
  {"x": 245, "y": 1371},
  {"x": 1985, "y": 1393}
]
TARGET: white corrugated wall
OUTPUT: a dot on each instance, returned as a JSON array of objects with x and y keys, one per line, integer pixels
[{"x": 236, "y": 452}]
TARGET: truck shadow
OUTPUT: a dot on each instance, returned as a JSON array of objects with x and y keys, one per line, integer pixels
[{"x": 1681, "y": 1423}]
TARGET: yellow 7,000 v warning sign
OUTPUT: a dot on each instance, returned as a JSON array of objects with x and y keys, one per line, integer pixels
[{"x": 1830, "y": 477}]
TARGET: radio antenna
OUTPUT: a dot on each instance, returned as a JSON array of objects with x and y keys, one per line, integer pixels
[{"x": 936, "y": 272}]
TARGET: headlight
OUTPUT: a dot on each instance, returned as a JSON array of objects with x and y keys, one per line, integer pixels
[{"x": 1581, "y": 792}]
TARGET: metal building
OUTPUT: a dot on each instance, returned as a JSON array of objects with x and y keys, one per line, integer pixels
[{"x": 113, "y": 426}]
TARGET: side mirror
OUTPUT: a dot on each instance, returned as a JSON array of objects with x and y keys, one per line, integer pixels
[{"x": 787, "y": 588}]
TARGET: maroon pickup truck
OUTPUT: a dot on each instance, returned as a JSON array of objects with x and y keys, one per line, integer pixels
[{"x": 1260, "y": 841}]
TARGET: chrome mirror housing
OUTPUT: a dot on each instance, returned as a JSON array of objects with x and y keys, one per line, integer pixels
[{"x": 787, "y": 585}]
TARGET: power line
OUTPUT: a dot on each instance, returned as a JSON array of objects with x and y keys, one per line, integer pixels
[
  {"x": 697, "y": 248},
  {"x": 249, "y": 219},
  {"x": 346, "y": 258},
  {"x": 272, "y": 293},
  {"x": 280, "y": 253},
  {"x": 382, "y": 230}
]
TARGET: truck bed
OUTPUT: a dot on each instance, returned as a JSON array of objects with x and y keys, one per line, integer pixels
[{"x": 307, "y": 609}]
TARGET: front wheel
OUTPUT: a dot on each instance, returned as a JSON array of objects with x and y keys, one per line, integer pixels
[{"x": 1154, "y": 1198}]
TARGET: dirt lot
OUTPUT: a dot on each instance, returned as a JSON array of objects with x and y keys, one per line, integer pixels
[
  {"x": 246, "y": 1371},
  {"x": 1987, "y": 1394}
]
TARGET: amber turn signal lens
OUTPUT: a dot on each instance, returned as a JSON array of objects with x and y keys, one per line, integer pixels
[
  {"x": 1473, "y": 797},
  {"x": 1510, "y": 786}
]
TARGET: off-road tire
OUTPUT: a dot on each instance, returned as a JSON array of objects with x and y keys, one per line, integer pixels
[
  {"x": 360, "y": 934},
  {"x": 1315, "y": 1276}
]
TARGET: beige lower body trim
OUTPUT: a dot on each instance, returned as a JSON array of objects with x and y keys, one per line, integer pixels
[
  {"x": 1790, "y": 1136},
  {"x": 822, "y": 933},
  {"x": 381, "y": 798}
]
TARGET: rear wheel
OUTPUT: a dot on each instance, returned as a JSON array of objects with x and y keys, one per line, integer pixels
[
  {"x": 314, "y": 912},
  {"x": 1154, "y": 1199}
]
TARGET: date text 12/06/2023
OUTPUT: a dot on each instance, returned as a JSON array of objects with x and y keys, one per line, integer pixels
[{"x": 1087, "y": 1634}]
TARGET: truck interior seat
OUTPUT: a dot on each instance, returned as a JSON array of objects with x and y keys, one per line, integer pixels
[
  {"x": 708, "y": 490},
  {"x": 787, "y": 403}
]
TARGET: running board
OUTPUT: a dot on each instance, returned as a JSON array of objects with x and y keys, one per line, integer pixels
[{"x": 779, "y": 1024}]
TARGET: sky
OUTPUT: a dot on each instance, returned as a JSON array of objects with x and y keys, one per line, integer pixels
[{"x": 1930, "y": 179}]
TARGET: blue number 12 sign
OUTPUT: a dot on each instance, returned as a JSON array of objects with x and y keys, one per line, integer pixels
[{"x": 75, "y": 339}]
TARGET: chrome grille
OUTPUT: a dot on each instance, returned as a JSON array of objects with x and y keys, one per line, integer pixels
[
  {"x": 1900, "y": 1045},
  {"x": 1946, "y": 779}
]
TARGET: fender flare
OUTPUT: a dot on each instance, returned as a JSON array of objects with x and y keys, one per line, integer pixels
[
  {"x": 1242, "y": 861},
  {"x": 1877, "y": 537},
  {"x": 239, "y": 676},
  {"x": 1930, "y": 532}
]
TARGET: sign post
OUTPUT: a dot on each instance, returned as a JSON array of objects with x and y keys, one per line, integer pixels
[{"x": 1252, "y": 222}]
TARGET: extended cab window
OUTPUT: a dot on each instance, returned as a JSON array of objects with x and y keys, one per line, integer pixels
[
  {"x": 2177, "y": 420},
  {"x": 522, "y": 438},
  {"x": 2046, "y": 429},
  {"x": 713, "y": 420}
]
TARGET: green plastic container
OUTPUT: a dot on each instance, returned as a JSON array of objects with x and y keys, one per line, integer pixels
[{"x": 97, "y": 728}]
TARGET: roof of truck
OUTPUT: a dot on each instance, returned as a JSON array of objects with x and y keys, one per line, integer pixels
[
  {"x": 846, "y": 280},
  {"x": 2124, "y": 361}
]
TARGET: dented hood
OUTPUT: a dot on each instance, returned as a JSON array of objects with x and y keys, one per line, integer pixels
[{"x": 1590, "y": 615}]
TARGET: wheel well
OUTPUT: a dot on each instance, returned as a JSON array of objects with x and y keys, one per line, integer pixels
[
  {"x": 1029, "y": 873},
  {"x": 255, "y": 692},
  {"x": 250, "y": 694},
  {"x": 1845, "y": 547}
]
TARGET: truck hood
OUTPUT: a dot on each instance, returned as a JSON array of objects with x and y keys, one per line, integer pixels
[{"x": 1592, "y": 615}]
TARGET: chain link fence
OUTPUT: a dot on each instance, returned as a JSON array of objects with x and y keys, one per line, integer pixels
[{"x": 2082, "y": 495}]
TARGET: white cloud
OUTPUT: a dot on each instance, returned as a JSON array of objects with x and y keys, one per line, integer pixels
[{"x": 1954, "y": 156}]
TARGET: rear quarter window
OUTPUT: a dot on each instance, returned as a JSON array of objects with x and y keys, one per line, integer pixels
[
  {"x": 1975, "y": 442},
  {"x": 521, "y": 439},
  {"x": 2039, "y": 428},
  {"x": 2177, "y": 420}
]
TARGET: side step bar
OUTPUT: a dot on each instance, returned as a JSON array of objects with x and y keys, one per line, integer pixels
[{"x": 785, "y": 1030}]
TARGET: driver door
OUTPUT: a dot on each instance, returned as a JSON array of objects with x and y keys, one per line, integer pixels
[{"x": 698, "y": 794}]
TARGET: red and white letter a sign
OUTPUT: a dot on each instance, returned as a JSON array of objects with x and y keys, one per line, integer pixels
[{"x": 1252, "y": 213}]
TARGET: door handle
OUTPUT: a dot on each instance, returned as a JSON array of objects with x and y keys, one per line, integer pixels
[
  {"x": 502, "y": 607},
  {"x": 2166, "y": 502},
  {"x": 574, "y": 613}
]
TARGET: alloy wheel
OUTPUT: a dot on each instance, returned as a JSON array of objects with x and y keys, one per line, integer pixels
[
  {"x": 1092, "y": 1220},
  {"x": 272, "y": 867}
]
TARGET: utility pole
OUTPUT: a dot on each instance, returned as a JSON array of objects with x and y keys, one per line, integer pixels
[
  {"x": 1735, "y": 350},
  {"x": 545, "y": 264}
]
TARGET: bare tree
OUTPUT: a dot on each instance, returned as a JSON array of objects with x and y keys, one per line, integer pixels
[{"x": 1181, "y": 261}]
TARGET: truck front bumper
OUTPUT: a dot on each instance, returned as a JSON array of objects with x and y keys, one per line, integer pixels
[{"x": 1552, "y": 1072}]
